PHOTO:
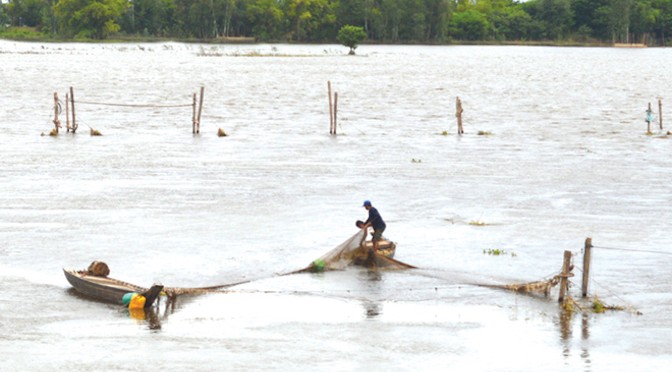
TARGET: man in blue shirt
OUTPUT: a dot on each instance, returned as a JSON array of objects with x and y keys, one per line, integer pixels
[{"x": 375, "y": 221}]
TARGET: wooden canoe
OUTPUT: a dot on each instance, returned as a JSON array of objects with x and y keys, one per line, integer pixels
[{"x": 108, "y": 289}]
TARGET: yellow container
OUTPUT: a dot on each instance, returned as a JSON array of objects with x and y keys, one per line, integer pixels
[{"x": 137, "y": 302}]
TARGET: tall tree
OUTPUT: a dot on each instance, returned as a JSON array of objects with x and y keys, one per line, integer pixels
[
  {"x": 266, "y": 18},
  {"x": 95, "y": 19}
]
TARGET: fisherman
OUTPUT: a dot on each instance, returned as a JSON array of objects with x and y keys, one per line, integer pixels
[{"x": 375, "y": 221}]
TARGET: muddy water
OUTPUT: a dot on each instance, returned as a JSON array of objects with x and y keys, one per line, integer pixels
[{"x": 567, "y": 158}]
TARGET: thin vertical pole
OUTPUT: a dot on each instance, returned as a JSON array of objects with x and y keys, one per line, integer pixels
[
  {"x": 200, "y": 109},
  {"x": 335, "y": 110},
  {"x": 586, "y": 266},
  {"x": 660, "y": 112},
  {"x": 331, "y": 109},
  {"x": 458, "y": 114},
  {"x": 649, "y": 118},
  {"x": 564, "y": 275},
  {"x": 67, "y": 112},
  {"x": 72, "y": 101},
  {"x": 57, "y": 123},
  {"x": 193, "y": 116}
]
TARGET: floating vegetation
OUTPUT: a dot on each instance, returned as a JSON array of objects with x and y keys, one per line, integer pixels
[
  {"x": 54, "y": 132},
  {"x": 484, "y": 133},
  {"x": 416, "y": 160},
  {"x": 600, "y": 307},
  {"x": 477, "y": 223},
  {"x": 95, "y": 132},
  {"x": 221, "y": 133},
  {"x": 444, "y": 133},
  {"x": 498, "y": 252}
]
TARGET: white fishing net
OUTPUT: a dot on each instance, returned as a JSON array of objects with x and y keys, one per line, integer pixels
[{"x": 353, "y": 251}]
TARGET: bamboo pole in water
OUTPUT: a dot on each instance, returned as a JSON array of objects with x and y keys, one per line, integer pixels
[
  {"x": 586, "y": 266},
  {"x": 200, "y": 110},
  {"x": 649, "y": 118},
  {"x": 335, "y": 110},
  {"x": 660, "y": 113},
  {"x": 72, "y": 102},
  {"x": 67, "y": 112},
  {"x": 57, "y": 123},
  {"x": 458, "y": 114},
  {"x": 564, "y": 276},
  {"x": 193, "y": 116},
  {"x": 331, "y": 109}
]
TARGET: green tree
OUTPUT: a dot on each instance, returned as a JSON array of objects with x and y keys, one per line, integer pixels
[
  {"x": 95, "y": 19},
  {"x": 27, "y": 12},
  {"x": 266, "y": 18},
  {"x": 351, "y": 36},
  {"x": 309, "y": 20},
  {"x": 469, "y": 25}
]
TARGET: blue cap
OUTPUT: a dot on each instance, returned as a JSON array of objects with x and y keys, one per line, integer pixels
[{"x": 366, "y": 203}]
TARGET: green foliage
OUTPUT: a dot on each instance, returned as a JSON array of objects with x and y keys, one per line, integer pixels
[
  {"x": 397, "y": 21},
  {"x": 93, "y": 19},
  {"x": 469, "y": 25},
  {"x": 351, "y": 36},
  {"x": 498, "y": 252},
  {"x": 22, "y": 33}
]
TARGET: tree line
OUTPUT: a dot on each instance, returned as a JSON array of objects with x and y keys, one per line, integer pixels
[{"x": 384, "y": 21}]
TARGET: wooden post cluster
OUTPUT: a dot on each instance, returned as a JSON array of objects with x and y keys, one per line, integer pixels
[
  {"x": 333, "y": 109},
  {"x": 458, "y": 114},
  {"x": 586, "y": 266},
  {"x": 196, "y": 117},
  {"x": 564, "y": 277}
]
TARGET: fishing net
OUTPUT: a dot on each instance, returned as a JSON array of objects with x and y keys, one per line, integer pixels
[
  {"x": 541, "y": 287},
  {"x": 353, "y": 251}
]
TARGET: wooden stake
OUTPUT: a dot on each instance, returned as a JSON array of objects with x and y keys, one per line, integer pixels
[
  {"x": 335, "y": 110},
  {"x": 565, "y": 275},
  {"x": 57, "y": 123},
  {"x": 193, "y": 117},
  {"x": 200, "y": 109},
  {"x": 67, "y": 112},
  {"x": 586, "y": 266},
  {"x": 649, "y": 118},
  {"x": 660, "y": 112},
  {"x": 72, "y": 102},
  {"x": 331, "y": 109},
  {"x": 458, "y": 114}
]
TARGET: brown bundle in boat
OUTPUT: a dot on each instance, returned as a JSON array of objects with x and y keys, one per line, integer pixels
[{"x": 98, "y": 268}]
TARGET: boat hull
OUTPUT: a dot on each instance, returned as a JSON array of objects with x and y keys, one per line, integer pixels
[{"x": 108, "y": 289}]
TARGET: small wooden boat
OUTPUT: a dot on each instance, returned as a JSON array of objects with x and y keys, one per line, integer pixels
[
  {"x": 108, "y": 289},
  {"x": 385, "y": 247}
]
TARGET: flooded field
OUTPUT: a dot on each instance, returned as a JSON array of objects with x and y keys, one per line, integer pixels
[{"x": 565, "y": 157}]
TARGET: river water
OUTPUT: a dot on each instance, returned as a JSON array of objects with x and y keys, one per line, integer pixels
[{"x": 567, "y": 157}]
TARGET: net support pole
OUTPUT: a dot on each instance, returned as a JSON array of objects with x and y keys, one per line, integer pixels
[
  {"x": 57, "y": 123},
  {"x": 660, "y": 113},
  {"x": 331, "y": 109},
  {"x": 67, "y": 112},
  {"x": 649, "y": 117},
  {"x": 193, "y": 116},
  {"x": 335, "y": 110},
  {"x": 200, "y": 110},
  {"x": 564, "y": 276},
  {"x": 458, "y": 114},
  {"x": 72, "y": 102},
  {"x": 586, "y": 266}
]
